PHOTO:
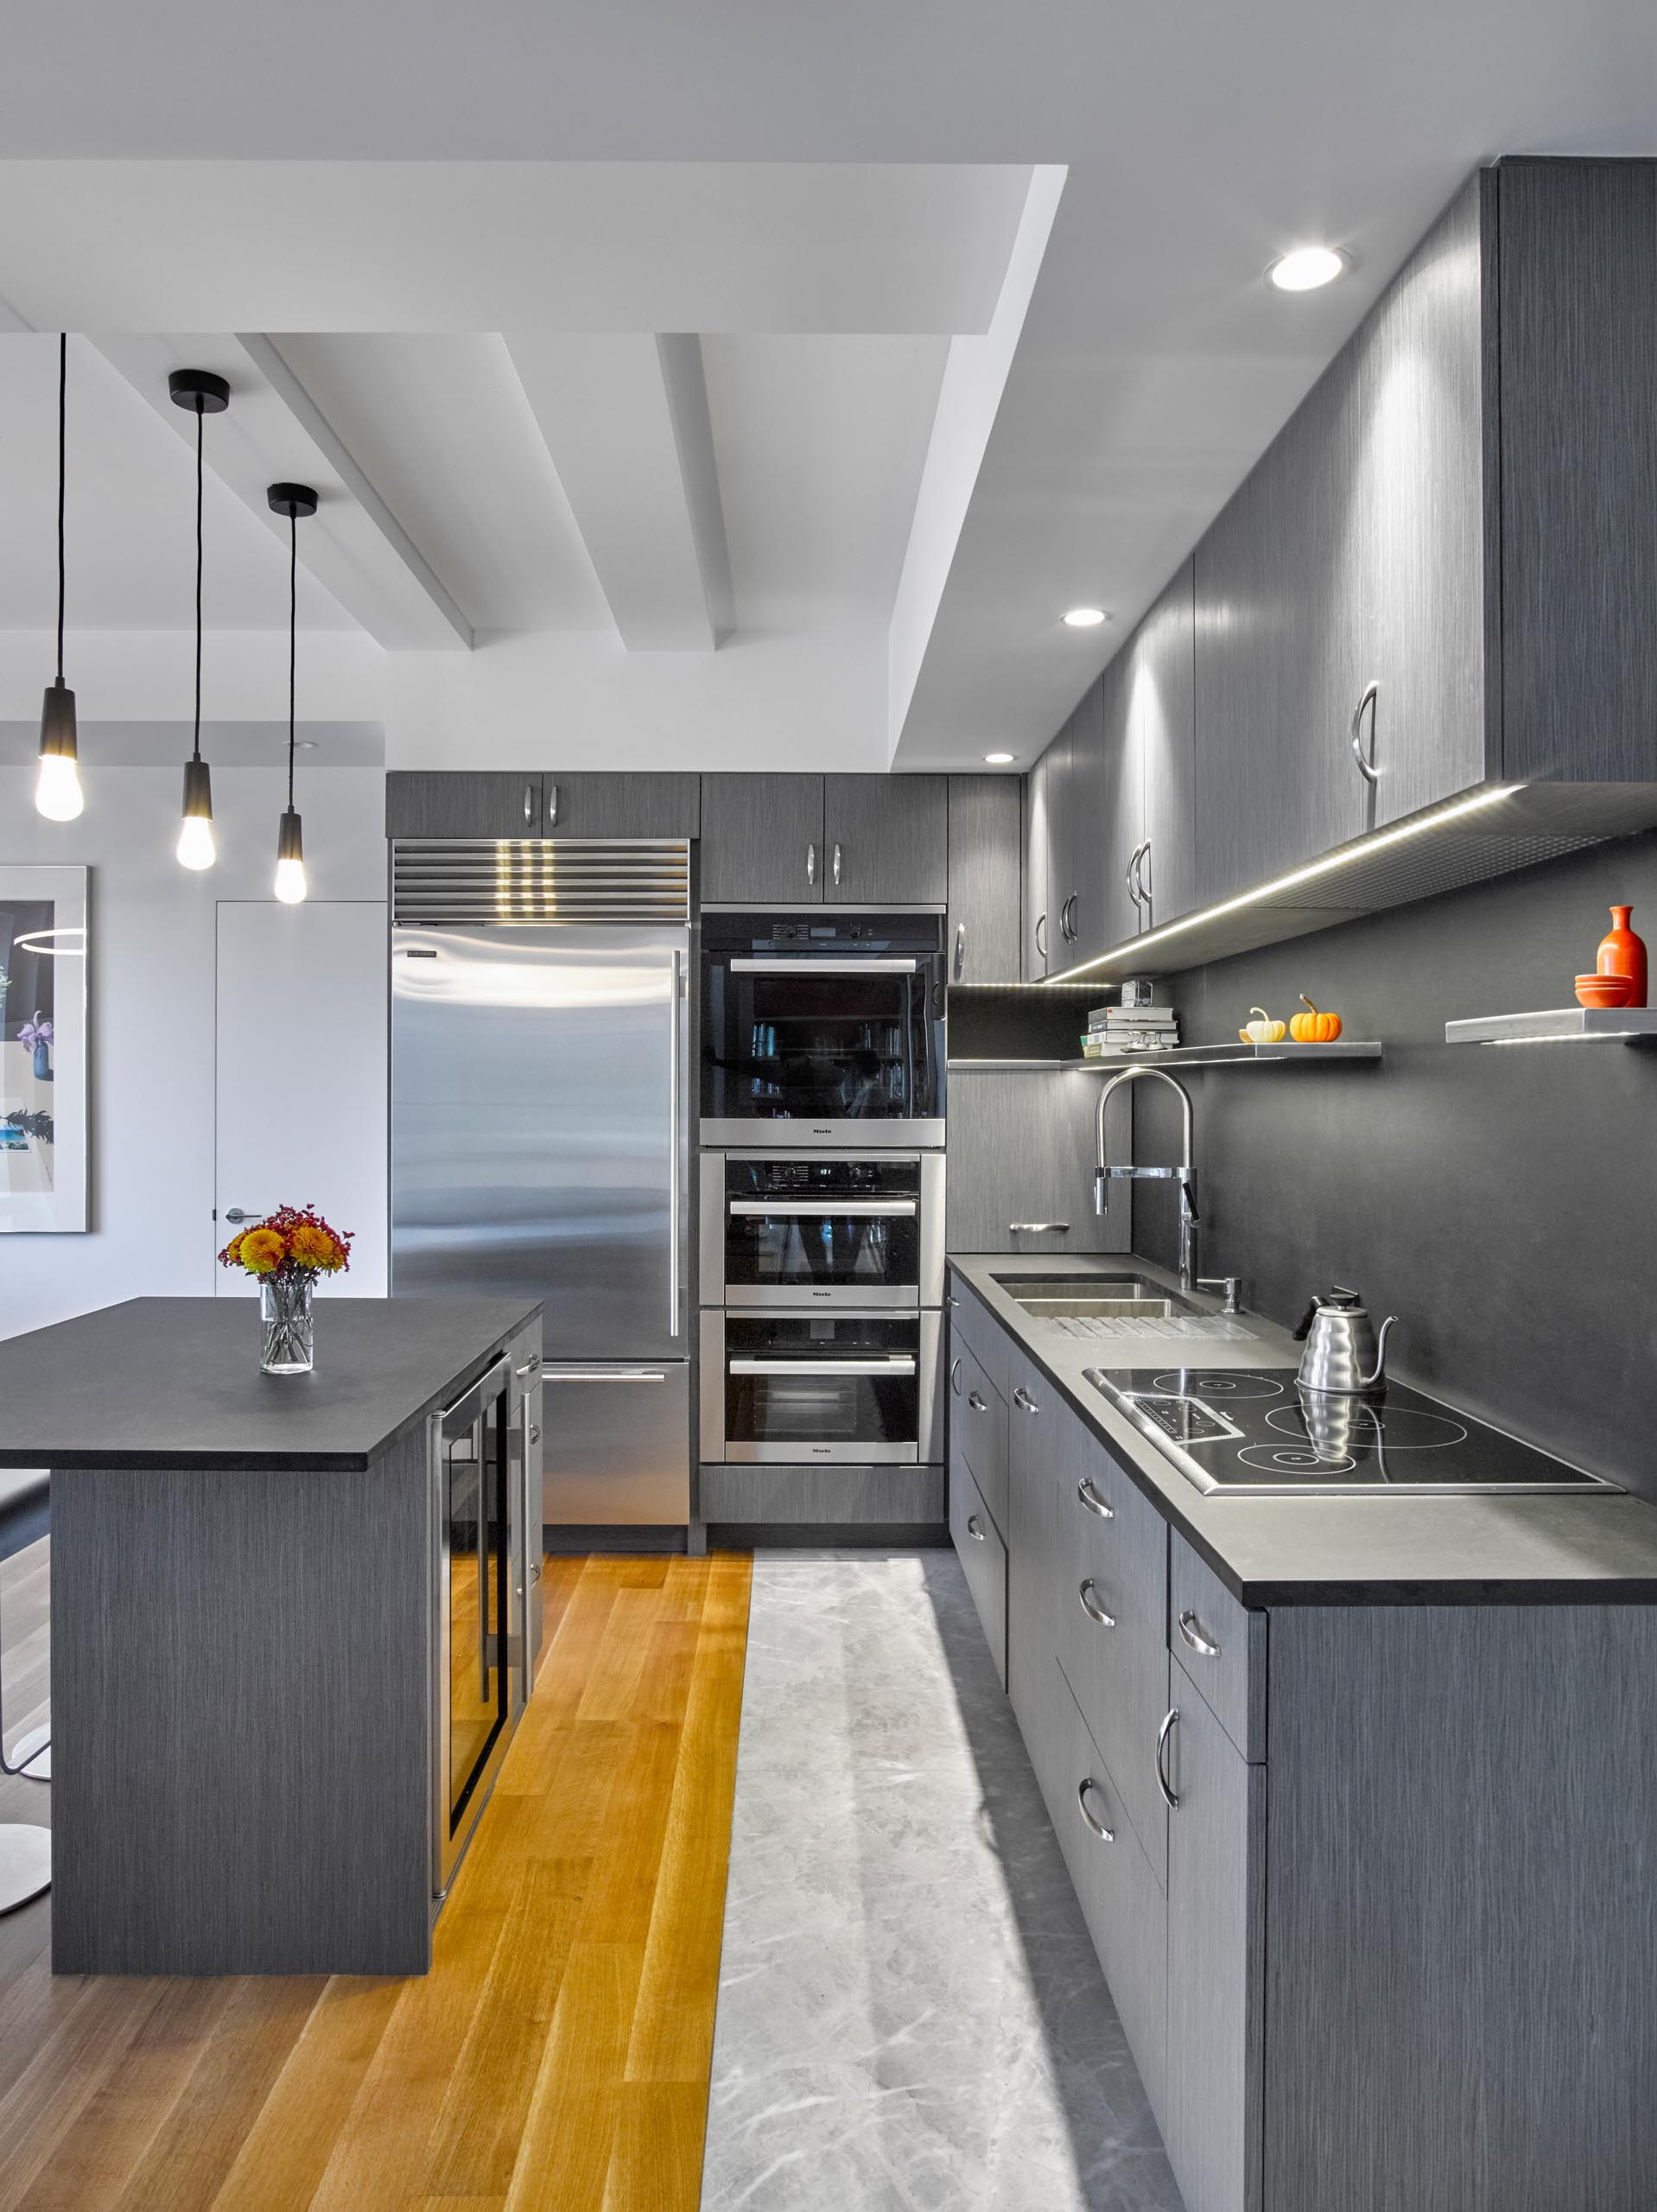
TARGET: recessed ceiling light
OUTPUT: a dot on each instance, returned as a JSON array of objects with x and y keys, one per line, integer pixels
[
  {"x": 998, "y": 759},
  {"x": 1084, "y": 618},
  {"x": 1303, "y": 268}
]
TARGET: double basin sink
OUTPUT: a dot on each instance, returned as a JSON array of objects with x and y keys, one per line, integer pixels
[{"x": 1112, "y": 1298}]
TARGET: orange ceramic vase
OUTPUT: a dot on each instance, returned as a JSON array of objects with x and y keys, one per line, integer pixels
[{"x": 1622, "y": 953}]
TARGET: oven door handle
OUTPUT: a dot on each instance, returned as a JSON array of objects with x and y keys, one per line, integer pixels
[
  {"x": 895, "y": 1366},
  {"x": 875, "y": 1208},
  {"x": 880, "y": 965}
]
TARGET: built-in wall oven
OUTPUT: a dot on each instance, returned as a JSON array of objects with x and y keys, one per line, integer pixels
[
  {"x": 825, "y": 1029},
  {"x": 823, "y": 1231},
  {"x": 789, "y": 1387}
]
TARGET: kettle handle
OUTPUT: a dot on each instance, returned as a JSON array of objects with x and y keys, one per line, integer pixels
[
  {"x": 1375, "y": 1374},
  {"x": 1303, "y": 1328}
]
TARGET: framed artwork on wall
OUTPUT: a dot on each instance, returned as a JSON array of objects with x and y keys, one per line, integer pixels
[{"x": 43, "y": 1086}]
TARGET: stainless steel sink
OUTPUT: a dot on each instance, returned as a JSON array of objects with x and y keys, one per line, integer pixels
[{"x": 1066, "y": 1297}]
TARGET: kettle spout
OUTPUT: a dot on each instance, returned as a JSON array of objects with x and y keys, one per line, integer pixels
[{"x": 1378, "y": 1374}]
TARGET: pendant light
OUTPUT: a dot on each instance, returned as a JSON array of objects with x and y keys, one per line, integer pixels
[
  {"x": 57, "y": 792},
  {"x": 292, "y": 501},
  {"x": 203, "y": 394}
]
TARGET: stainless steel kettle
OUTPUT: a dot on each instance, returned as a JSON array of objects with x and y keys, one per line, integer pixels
[{"x": 1343, "y": 1355}]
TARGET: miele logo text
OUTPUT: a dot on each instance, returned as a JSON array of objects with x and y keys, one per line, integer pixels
[{"x": 821, "y": 1451}]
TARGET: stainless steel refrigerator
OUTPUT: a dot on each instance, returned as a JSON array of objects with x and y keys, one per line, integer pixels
[{"x": 540, "y": 1147}]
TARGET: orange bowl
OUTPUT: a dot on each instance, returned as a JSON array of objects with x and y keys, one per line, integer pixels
[{"x": 1604, "y": 990}]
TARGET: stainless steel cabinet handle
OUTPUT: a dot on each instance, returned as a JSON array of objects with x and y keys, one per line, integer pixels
[
  {"x": 552, "y": 803},
  {"x": 976, "y": 1402},
  {"x": 1170, "y": 1720},
  {"x": 1147, "y": 884},
  {"x": 1090, "y": 1497},
  {"x": 1022, "y": 1399},
  {"x": 1096, "y": 1828},
  {"x": 949, "y": 1298},
  {"x": 836, "y": 866},
  {"x": 535, "y": 1432},
  {"x": 1368, "y": 705},
  {"x": 1041, "y": 935},
  {"x": 973, "y": 1530},
  {"x": 530, "y": 1363},
  {"x": 1039, "y": 1228},
  {"x": 1127, "y": 877},
  {"x": 811, "y": 863},
  {"x": 955, "y": 1376},
  {"x": 1194, "y": 1635},
  {"x": 961, "y": 951},
  {"x": 1094, "y": 1611}
]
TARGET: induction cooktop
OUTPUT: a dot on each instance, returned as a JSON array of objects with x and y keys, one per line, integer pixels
[{"x": 1252, "y": 1433}]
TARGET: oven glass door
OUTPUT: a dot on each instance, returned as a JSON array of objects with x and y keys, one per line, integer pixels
[
  {"x": 802, "y": 1386},
  {"x": 853, "y": 1039},
  {"x": 830, "y": 1231}
]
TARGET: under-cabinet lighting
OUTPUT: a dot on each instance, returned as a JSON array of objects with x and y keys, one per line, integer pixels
[
  {"x": 1306, "y": 268},
  {"x": 1085, "y": 617},
  {"x": 1330, "y": 865}
]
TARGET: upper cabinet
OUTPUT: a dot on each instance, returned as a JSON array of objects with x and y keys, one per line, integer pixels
[
  {"x": 1039, "y": 857},
  {"x": 594, "y": 804},
  {"x": 442, "y": 802},
  {"x": 762, "y": 839},
  {"x": 1439, "y": 579},
  {"x": 887, "y": 840},
  {"x": 984, "y": 902}
]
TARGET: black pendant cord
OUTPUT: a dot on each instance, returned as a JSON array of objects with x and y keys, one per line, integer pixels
[
  {"x": 63, "y": 392},
  {"x": 196, "y": 750},
  {"x": 293, "y": 638}
]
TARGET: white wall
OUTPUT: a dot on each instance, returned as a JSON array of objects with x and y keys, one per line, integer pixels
[{"x": 152, "y": 937}]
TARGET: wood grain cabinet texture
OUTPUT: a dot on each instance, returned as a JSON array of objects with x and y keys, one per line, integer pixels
[
  {"x": 762, "y": 839},
  {"x": 461, "y": 803},
  {"x": 886, "y": 839},
  {"x": 583, "y": 803},
  {"x": 1021, "y": 1153},
  {"x": 985, "y": 917}
]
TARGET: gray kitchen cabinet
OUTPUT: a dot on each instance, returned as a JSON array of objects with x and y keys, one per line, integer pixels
[
  {"x": 1161, "y": 740},
  {"x": 1037, "y": 1424},
  {"x": 762, "y": 840},
  {"x": 1098, "y": 813},
  {"x": 461, "y": 803},
  {"x": 985, "y": 918},
  {"x": 599, "y": 804},
  {"x": 1021, "y": 1157},
  {"x": 1037, "y": 867},
  {"x": 1210, "y": 2108},
  {"x": 886, "y": 841},
  {"x": 983, "y": 1555}
]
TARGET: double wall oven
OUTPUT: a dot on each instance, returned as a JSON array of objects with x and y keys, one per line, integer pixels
[{"x": 822, "y": 1179}]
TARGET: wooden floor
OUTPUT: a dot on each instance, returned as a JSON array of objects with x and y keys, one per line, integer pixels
[{"x": 556, "y": 2056}]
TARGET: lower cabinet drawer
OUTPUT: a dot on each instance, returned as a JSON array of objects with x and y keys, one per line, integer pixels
[
  {"x": 1121, "y": 1900},
  {"x": 978, "y": 1423},
  {"x": 735, "y": 1496},
  {"x": 1221, "y": 1645},
  {"x": 983, "y": 1558}
]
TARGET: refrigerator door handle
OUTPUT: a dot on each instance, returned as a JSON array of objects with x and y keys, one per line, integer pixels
[{"x": 673, "y": 1148}]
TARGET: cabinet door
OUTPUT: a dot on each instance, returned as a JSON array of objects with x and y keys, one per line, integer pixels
[
  {"x": 1280, "y": 655},
  {"x": 762, "y": 839},
  {"x": 1418, "y": 363},
  {"x": 1036, "y": 1424},
  {"x": 1066, "y": 757},
  {"x": 984, "y": 880},
  {"x": 442, "y": 802},
  {"x": 586, "y": 804},
  {"x": 1037, "y": 860},
  {"x": 1210, "y": 2111},
  {"x": 1161, "y": 741},
  {"x": 1021, "y": 1151},
  {"x": 1098, "y": 814},
  {"x": 887, "y": 840}
]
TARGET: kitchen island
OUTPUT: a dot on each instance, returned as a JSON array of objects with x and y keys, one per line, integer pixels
[{"x": 251, "y": 1617}]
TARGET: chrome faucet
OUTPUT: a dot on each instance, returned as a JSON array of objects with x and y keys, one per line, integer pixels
[{"x": 1185, "y": 1174}]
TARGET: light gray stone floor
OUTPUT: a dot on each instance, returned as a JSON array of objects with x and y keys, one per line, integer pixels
[{"x": 910, "y": 2014}]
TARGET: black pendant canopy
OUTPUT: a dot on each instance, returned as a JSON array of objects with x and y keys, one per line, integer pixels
[
  {"x": 200, "y": 393},
  {"x": 291, "y": 500}
]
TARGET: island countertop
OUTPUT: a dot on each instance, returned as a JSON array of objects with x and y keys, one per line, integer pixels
[{"x": 165, "y": 1383}]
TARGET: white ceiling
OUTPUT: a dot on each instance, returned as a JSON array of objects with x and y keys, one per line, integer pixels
[{"x": 829, "y": 199}]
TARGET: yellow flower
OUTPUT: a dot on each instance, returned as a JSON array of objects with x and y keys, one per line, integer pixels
[
  {"x": 311, "y": 1247},
  {"x": 233, "y": 1252},
  {"x": 262, "y": 1251}
]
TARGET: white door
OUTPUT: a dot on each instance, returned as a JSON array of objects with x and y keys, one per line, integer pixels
[{"x": 301, "y": 1102}]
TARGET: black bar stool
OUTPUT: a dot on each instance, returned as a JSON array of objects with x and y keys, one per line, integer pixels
[{"x": 25, "y": 1849}]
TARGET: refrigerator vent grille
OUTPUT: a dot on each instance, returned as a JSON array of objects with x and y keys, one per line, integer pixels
[{"x": 540, "y": 880}]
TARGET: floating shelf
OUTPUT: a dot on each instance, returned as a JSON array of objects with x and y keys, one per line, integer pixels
[
  {"x": 1200, "y": 1056},
  {"x": 1570, "y": 1025}
]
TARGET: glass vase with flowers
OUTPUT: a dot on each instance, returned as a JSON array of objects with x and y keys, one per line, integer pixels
[{"x": 285, "y": 1253}]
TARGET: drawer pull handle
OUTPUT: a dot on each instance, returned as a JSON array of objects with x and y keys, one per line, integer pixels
[
  {"x": 535, "y": 1432},
  {"x": 1194, "y": 1635},
  {"x": 1090, "y": 1497},
  {"x": 1170, "y": 1720},
  {"x": 976, "y": 1402},
  {"x": 1096, "y": 1828},
  {"x": 973, "y": 1530},
  {"x": 1021, "y": 1397},
  {"x": 1094, "y": 1611},
  {"x": 1038, "y": 1228},
  {"x": 955, "y": 1376}
]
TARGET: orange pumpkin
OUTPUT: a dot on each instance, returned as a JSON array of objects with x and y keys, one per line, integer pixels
[{"x": 1314, "y": 1027}]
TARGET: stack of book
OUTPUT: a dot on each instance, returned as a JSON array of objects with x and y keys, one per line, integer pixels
[{"x": 1130, "y": 1029}]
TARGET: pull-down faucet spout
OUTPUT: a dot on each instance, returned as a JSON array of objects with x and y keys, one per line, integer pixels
[{"x": 1185, "y": 1174}]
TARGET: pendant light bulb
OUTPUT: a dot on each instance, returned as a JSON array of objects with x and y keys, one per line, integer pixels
[
  {"x": 200, "y": 393},
  {"x": 57, "y": 788},
  {"x": 290, "y": 885}
]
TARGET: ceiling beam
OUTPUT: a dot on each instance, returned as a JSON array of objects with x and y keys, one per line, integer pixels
[
  {"x": 627, "y": 426},
  {"x": 273, "y": 433}
]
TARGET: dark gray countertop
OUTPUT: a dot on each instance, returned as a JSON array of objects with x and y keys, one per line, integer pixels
[
  {"x": 177, "y": 1382},
  {"x": 1552, "y": 1548}
]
